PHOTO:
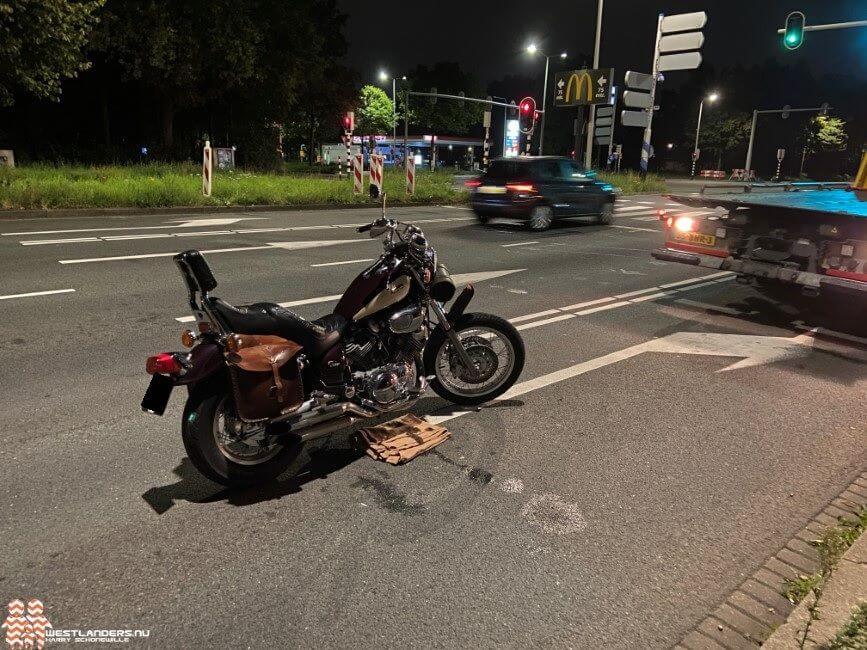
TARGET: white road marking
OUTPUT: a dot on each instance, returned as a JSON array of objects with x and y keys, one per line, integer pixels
[
  {"x": 649, "y": 218},
  {"x": 36, "y": 293},
  {"x": 631, "y": 208},
  {"x": 709, "y": 307},
  {"x": 547, "y": 321},
  {"x": 238, "y": 231},
  {"x": 290, "y": 246},
  {"x": 822, "y": 331},
  {"x": 755, "y": 350},
  {"x": 520, "y": 243},
  {"x": 369, "y": 259},
  {"x": 458, "y": 278},
  {"x": 588, "y": 303},
  {"x": 711, "y": 276},
  {"x": 212, "y": 221},
  {"x": 635, "y": 228},
  {"x": 593, "y": 310},
  {"x": 538, "y": 314}
]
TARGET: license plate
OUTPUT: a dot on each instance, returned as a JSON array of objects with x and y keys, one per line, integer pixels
[
  {"x": 696, "y": 238},
  {"x": 491, "y": 189},
  {"x": 157, "y": 395}
]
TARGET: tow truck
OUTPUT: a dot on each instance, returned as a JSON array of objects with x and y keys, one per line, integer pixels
[{"x": 806, "y": 235}]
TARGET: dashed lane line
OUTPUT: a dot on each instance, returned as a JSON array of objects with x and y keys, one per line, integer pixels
[{"x": 36, "y": 293}]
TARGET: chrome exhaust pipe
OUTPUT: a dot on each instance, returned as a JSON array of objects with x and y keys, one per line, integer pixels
[{"x": 331, "y": 418}]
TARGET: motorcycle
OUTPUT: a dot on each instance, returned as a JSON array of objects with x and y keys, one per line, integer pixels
[{"x": 262, "y": 381}]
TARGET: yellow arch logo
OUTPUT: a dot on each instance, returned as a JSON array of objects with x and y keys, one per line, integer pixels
[{"x": 579, "y": 82}]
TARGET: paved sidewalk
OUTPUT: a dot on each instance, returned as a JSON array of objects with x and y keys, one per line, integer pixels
[{"x": 845, "y": 590}]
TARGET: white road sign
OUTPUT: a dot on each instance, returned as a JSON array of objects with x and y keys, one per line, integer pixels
[
  {"x": 633, "y": 118},
  {"x": 601, "y": 132},
  {"x": 636, "y": 99},
  {"x": 680, "y": 42},
  {"x": 639, "y": 80},
  {"x": 683, "y": 61},
  {"x": 684, "y": 22},
  {"x": 604, "y": 121},
  {"x": 604, "y": 111}
]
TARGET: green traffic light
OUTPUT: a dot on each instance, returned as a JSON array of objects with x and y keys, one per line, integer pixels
[{"x": 794, "y": 32}]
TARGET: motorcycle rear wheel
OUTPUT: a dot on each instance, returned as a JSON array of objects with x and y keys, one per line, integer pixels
[
  {"x": 203, "y": 430},
  {"x": 496, "y": 348}
]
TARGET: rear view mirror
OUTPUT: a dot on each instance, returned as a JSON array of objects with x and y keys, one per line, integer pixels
[{"x": 378, "y": 227}]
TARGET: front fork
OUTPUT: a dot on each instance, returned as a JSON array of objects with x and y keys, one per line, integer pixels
[{"x": 454, "y": 313}]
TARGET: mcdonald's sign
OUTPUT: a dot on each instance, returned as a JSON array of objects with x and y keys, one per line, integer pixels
[{"x": 582, "y": 87}]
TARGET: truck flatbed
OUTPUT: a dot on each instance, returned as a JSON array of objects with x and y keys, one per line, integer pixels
[{"x": 819, "y": 198}]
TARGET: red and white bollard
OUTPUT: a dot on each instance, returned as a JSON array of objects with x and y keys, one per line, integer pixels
[
  {"x": 410, "y": 175},
  {"x": 376, "y": 165},
  {"x": 207, "y": 169},
  {"x": 357, "y": 173}
]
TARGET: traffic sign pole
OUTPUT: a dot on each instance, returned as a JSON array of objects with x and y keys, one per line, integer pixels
[
  {"x": 592, "y": 114},
  {"x": 784, "y": 112},
  {"x": 544, "y": 100},
  {"x": 645, "y": 145},
  {"x": 697, "y": 130}
]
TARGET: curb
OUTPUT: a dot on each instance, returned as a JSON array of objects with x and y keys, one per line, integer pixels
[
  {"x": 754, "y": 611},
  {"x": 202, "y": 209},
  {"x": 844, "y": 590}
]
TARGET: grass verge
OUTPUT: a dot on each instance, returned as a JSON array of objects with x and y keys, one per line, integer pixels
[
  {"x": 831, "y": 546},
  {"x": 632, "y": 183},
  {"x": 162, "y": 185},
  {"x": 854, "y": 633}
]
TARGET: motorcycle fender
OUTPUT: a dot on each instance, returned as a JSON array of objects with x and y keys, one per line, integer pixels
[
  {"x": 460, "y": 303},
  {"x": 203, "y": 361}
]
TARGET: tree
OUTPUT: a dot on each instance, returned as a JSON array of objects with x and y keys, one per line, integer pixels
[
  {"x": 722, "y": 132},
  {"x": 375, "y": 112},
  {"x": 826, "y": 134},
  {"x": 42, "y": 43}
]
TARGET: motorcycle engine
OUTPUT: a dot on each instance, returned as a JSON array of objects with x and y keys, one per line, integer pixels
[{"x": 384, "y": 355}]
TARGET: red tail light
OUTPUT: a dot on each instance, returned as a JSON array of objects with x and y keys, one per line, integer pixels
[
  {"x": 521, "y": 187},
  {"x": 473, "y": 183},
  {"x": 163, "y": 363}
]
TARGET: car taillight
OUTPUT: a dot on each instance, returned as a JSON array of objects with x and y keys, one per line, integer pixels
[
  {"x": 684, "y": 224},
  {"x": 163, "y": 363},
  {"x": 474, "y": 183},
  {"x": 521, "y": 187}
]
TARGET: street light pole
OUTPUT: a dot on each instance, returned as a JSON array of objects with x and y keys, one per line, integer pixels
[
  {"x": 393, "y": 117},
  {"x": 697, "y": 130},
  {"x": 544, "y": 100},
  {"x": 588, "y": 153}
]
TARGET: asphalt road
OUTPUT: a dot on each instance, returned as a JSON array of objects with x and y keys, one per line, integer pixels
[{"x": 659, "y": 446}]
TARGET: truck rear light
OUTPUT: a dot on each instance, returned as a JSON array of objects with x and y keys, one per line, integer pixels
[
  {"x": 684, "y": 224},
  {"x": 163, "y": 363},
  {"x": 525, "y": 188}
]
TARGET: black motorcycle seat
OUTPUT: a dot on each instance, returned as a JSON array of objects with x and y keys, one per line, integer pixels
[{"x": 317, "y": 337}]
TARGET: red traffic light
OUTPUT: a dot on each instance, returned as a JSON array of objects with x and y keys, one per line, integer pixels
[
  {"x": 526, "y": 107},
  {"x": 527, "y": 114},
  {"x": 349, "y": 121}
]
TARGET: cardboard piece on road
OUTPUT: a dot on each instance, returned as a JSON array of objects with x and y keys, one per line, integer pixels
[
  {"x": 682, "y": 61},
  {"x": 633, "y": 118},
  {"x": 402, "y": 439}
]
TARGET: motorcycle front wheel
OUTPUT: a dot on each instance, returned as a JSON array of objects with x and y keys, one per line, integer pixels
[
  {"x": 496, "y": 351},
  {"x": 224, "y": 449}
]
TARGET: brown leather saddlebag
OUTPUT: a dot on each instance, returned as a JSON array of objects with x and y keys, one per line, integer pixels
[{"x": 266, "y": 378}]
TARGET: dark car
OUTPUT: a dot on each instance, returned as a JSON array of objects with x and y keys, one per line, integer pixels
[{"x": 540, "y": 189}]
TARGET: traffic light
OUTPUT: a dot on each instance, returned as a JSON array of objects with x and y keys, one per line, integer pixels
[
  {"x": 527, "y": 114},
  {"x": 349, "y": 121},
  {"x": 793, "y": 37}
]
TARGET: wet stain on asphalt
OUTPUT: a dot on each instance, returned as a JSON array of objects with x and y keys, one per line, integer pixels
[{"x": 388, "y": 496}]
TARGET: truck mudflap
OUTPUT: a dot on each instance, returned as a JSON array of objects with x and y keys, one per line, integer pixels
[{"x": 814, "y": 281}]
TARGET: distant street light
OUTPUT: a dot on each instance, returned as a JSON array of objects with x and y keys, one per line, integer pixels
[
  {"x": 670, "y": 146},
  {"x": 714, "y": 96},
  {"x": 532, "y": 49},
  {"x": 383, "y": 77}
]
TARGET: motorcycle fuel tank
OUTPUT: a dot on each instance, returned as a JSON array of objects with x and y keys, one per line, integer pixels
[{"x": 371, "y": 291}]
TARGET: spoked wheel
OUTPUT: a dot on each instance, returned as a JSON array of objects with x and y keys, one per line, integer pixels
[
  {"x": 495, "y": 350},
  {"x": 541, "y": 217},
  {"x": 225, "y": 449}
]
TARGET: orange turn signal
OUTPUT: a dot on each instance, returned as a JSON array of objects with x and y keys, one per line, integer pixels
[{"x": 188, "y": 338}]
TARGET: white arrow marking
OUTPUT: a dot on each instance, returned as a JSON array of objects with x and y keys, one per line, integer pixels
[
  {"x": 460, "y": 278},
  {"x": 288, "y": 245},
  {"x": 756, "y": 350},
  {"x": 215, "y": 221},
  {"x": 561, "y": 83}
]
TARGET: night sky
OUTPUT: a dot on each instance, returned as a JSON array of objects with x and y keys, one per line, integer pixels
[{"x": 487, "y": 38}]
